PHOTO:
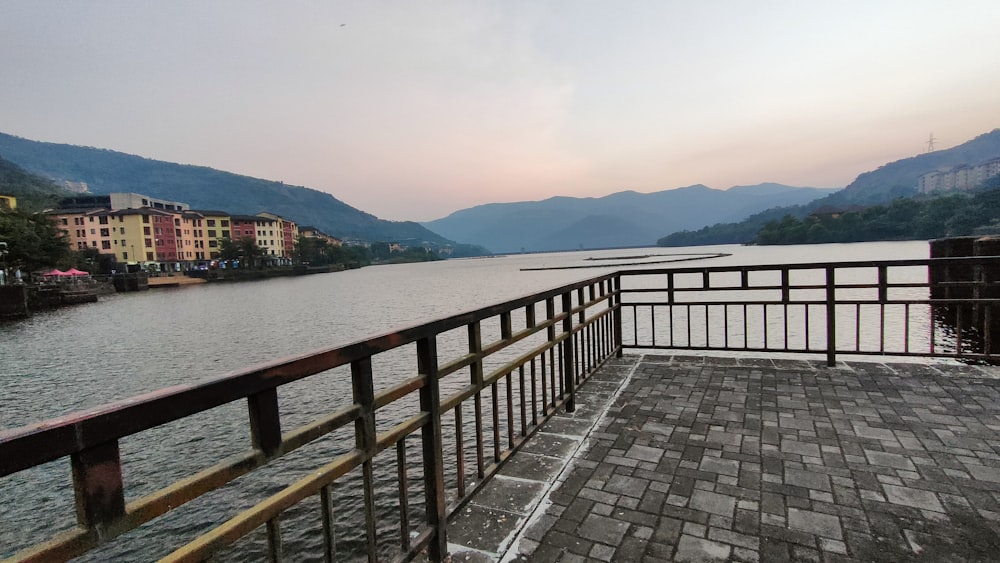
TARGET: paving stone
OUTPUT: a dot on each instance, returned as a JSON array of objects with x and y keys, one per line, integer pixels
[
  {"x": 917, "y": 498},
  {"x": 807, "y": 479},
  {"x": 816, "y": 523},
  {"x": 602, "y": 529},
  {"x": 800, "y": 448},
  {"x": 712, "y": 503},
  {"x": 697, "y": 550},
  {"x": 895, "y": 461},
  {"x": 722, "y": 466},
  {"x": 644, "y": 453},
  {"x": 984, "y": 473}
]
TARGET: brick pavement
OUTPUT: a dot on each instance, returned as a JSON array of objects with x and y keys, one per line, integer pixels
[{"x": 724, "y": 459}]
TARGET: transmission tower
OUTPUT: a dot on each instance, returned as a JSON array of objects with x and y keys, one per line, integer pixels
[{"x": 930, "y": 143}]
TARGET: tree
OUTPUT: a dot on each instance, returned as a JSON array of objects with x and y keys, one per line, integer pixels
[
  {"x": 245, "y": 250},
  {"x": 33, "y": 241}
]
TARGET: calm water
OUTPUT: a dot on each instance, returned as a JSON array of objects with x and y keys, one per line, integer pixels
[{"x": 76, "y": 358}]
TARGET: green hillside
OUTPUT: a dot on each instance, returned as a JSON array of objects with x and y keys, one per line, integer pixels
[
  {"x": 107, "y": 171},
  {"x": 33, "y": 193}
]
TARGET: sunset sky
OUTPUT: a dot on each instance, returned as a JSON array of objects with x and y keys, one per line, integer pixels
[{"x": 413, "y": 110}]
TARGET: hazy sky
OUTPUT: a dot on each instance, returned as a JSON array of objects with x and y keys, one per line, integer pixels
[{"x": 414, "y": 109}]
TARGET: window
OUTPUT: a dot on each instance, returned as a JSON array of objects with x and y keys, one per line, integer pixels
[
  {"x": 105, "y": 233},
  {"x": 211, "y": 233},
  {"x": 225, "y": 234},
  {"x": 145, "y": 231},
  {"x": 149, "y": 256},
  {"x": 210, "y": 222},
  {"x": 177, "y": 222},
  {"x": 106, "y": 245},
  {"x": 145, "y": 219},
  {"x": 122, "y": 230},
  {"x": 213, "y": 243},
  {"x": 93, "y": 243},
  {"x": 91, "y": 219},
  {"x": 225, "y": 223},
  {"x": 124, "y": 255},
  {"x": 93, "y": 231},
  {"x": 149, "y": 243},
  {"x": 65, "y": 221},
  {"x": 103, "y": 219}
]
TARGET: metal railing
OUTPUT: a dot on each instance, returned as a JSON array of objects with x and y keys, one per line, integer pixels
[
  {"x": 942, "y": 307},
  {"x": 548, "y": 344}
]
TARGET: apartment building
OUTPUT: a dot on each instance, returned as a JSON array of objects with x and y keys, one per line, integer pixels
[
  {"x": 963, "y": 177},
  {"x": 217, "y": 228},
  {"x": 136, "y": 228}
]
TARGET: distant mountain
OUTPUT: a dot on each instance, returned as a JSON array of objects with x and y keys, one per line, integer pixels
[
  {"x": 106, "y": 171},
  {"x": 894, "y": 180},
  {"x": 621, "y": 219}
]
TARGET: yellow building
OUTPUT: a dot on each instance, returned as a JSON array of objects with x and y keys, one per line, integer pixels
[
  {"x": 8, "y": 202},
  {"x": 217, "y": 228},
  {"x": 276, "y": 235},
  {"x": 73, "y": 224}
]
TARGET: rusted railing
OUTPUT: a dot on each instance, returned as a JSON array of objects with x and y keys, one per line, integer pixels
[
  {"x": 944, "y": 307},
  {"x": 548, "y": 344}
]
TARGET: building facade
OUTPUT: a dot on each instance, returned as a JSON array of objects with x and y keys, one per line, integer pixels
[
  {"x": 961, "y": 177},
  {"x": 136, "y": 228}
]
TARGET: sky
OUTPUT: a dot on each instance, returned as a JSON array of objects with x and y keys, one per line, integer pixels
[{"x": 413, "y": 110}]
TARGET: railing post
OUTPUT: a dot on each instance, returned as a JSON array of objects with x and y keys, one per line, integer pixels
[
  {"x": 430, "y": 402},
  {"x": 616, "y": 302},
  {"x": 476, "y": 377},
  {"x": 831, "y": 317},
  {"x": 786, "y": 293},
  {"x": 569, "y": 363},
  {"x": 265, "y": 423},
  {"x": 365, "y": 440},
  {"x": 98, "y": 485}
]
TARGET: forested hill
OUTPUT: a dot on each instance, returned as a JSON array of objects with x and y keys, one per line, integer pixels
[
  {"x": 955, "y": 214},
  {"x": 107, "y": 171},
  {"x": 33, "y": 193}
]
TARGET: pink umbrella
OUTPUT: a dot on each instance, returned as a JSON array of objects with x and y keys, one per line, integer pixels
[
  {"x": 75, "y": 272},
  {"x": 56, "y": 272}
]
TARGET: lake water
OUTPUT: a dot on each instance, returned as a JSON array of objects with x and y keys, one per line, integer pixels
[{"x": 75, "y": 358}]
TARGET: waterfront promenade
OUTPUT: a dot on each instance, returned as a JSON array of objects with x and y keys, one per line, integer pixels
[{"x": 687, "y": 458}]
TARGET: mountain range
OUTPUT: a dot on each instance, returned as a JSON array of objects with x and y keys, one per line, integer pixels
[
  {"x": 106, "y": 171},
  {"x": 625, "y": 218},
  {"x": 621, "y": 219}
]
